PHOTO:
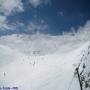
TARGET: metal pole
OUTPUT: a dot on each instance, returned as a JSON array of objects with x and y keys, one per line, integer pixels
[{"x": 79, "y": 78}]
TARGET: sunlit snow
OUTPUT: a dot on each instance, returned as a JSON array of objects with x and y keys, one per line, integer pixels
[{"x": 40, "y": 62}]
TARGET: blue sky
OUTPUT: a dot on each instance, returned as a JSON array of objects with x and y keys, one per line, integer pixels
[{"x": 44, "y": 16}]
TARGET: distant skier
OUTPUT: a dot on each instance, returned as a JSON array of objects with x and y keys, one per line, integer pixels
[{"x": 4, "y": 74}]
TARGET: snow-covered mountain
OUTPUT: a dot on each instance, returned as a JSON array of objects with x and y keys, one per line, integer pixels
[{"x": 43, "y": 62}]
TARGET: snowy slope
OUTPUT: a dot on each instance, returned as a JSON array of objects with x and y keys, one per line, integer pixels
[{"x": 31, "y": 70}]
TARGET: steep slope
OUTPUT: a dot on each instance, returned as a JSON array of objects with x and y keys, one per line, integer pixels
[
  {"x": 84, "y": 68},
  {"x": 52, "y": 71}
]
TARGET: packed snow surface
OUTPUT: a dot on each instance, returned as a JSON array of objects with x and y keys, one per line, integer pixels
[{"x": 32, "y": 64}]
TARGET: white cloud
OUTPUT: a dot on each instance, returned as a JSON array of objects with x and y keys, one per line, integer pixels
[
  {"x": 4, "y": 25},
  {"x": 36, "y": 3},
  {"x": 9, "y": 6},
  {"x": 62, "y": 43},
  {"x": 32, "y": 27},
  {"x": 81, "y": 31},
  {"x": 3, "y": 22},
  {"x": 84, "y": 31},
  {"x": 35, "y": 27},
  {"x": 46, "y": 43}
]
